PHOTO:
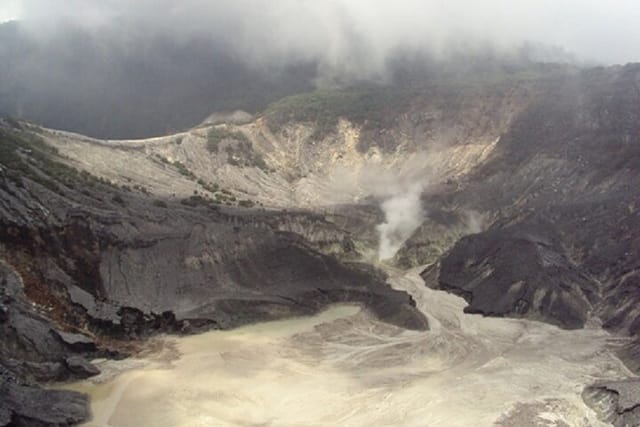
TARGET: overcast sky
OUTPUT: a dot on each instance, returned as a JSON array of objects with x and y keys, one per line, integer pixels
[{"x": 607, "y": 31}]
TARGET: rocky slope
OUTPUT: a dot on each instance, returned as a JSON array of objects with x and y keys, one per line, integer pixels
[
  {"x": 615, "y": 401},
  {"x": 88, "y": 267},
  {"x": 563, "y": 240},
  {"x": 316, "y": 150},
  {"x": 528, "y": 209},
  {"x": 560, "y": 192}
]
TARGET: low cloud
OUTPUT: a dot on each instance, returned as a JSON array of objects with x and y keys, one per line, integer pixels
[{"x": 348, "y": 35}]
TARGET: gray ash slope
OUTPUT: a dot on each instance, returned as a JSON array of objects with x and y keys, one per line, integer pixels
[
  {"x": 560, "y": 192},
  {"x": 85, "y": 269},
  {"x": 560, "y": 195},
  {"x": 529, "y": 192}
]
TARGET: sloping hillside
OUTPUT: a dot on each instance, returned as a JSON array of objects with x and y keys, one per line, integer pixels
[{"x": 518, "y": 195}]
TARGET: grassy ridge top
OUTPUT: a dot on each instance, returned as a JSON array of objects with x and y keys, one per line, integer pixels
[
  {"x": 24, "y": 154},
  {"x": 325, "y": 107},
  {"x": 377, "y": 106}
]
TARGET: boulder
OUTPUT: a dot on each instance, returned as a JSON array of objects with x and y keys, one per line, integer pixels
[
  {"x": 80, "y": 367},
  {"x": 29, "y": 406},
  {"x": 77, "y": 342}
]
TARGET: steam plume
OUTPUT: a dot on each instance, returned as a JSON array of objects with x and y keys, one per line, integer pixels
[{"x": 403, "y": 214}]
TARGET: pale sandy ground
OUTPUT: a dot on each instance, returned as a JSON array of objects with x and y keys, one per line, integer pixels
[{"x": 343, "y": 368}]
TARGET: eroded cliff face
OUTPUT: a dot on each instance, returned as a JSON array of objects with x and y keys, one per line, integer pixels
[
  {"x": 559, "y": 192},
  {"x": 562, "y": 241},
  {"x": 98, "y": 267},
  {"x": 432, "y": 135},
  {"x": 526, "y": 194}
]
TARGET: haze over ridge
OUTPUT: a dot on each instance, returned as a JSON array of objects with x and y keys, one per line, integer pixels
[{"x": 339, "y": 30}]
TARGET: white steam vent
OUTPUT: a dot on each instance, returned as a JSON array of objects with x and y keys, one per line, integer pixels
[{"x": 403, "y": 214}]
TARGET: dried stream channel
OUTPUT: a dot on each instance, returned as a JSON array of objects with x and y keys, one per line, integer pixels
[{"x": 343, "y": 367}]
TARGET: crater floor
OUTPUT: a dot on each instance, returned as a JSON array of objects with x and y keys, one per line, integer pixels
[{"x": 343, "y": 367}]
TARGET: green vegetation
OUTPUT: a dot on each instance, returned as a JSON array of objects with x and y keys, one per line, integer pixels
[
  {"x": 217, "y": 135},
  {"x": 180, "y": 167},
  {"x": 377, "y": 107},
  {"x": 195, "y": 201},
  {"x": 25, "y": 155},
  {"x": 211, "y": 187},
  {"x": 141, "y": 189},
  {"x": 243, "y": 154},
  {"x": 163, "y": 159},
  {"x": 226, "y": 198},
  {"x": 239, "y": 149},
  {"x": 325, "y": 107},
  {"x": 184, "y": 170},
  {"x": 221, "y": 195}
]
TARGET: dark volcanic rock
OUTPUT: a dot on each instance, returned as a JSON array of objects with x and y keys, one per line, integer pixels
[
  {"x": 617, "y": 402},
  {"x": 26, "y": 334},
  {"x": 38, "y": 371},
  {"x": 275, "y": 273},
  {"x": 630, "y": 355},
  {"x": 5, "y": 416},
  {"x": 562, "y": 242},
  {"x": 27, "y": 406},
  {"x": 77, "y": 342},
  {"x": 130, "y": 273},
  {"x": 30, "y": 353},
  {"x": 81, "y": 367},
  {"x": 77, "y": 254},
  {"x": 4, "y": 313},
  {"x": 516, "y": 271},
  {"x": 559, "y": 195}
]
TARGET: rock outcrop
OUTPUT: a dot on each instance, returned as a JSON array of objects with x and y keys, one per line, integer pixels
[
  {"x": 529, "y": 189},
  {"x": 32, "y": 352},
  {"x": 519, "y": 271},
  {"x": 88, "y": 267},
  {"x": 561, "y": 239},
  {"x": 32, "y": 407},
  {"x": 617, "y": 402}
]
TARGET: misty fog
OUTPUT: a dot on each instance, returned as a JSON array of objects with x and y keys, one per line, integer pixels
[
  {"x": 359, "y": 31},
  {"x": 123, "y": 69}
]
